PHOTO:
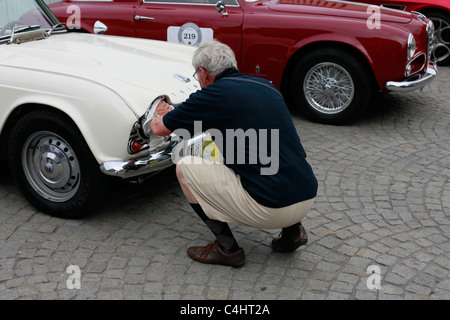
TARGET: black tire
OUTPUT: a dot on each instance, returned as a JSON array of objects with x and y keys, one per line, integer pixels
[
  {"x": 441, "y": 52},
  {"x": 331, "y": 86},
  {"x": 53, "y": 167}
]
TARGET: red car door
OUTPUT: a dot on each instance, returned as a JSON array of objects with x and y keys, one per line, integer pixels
[
  {"x": 117, "y": 15},
  {"x": 191, "y": 22}
]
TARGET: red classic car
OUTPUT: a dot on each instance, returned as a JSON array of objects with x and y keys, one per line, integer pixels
[
  {"x": 327, "y": 57},
  {"x": 436, "y": 10}
]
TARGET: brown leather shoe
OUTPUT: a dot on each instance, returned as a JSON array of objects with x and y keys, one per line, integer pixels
[
  {"x": 213, "y": 254},
  {"x": 290, "y": 239}
]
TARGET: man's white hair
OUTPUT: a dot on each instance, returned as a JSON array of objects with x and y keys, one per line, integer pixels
[{"x": 214, "y": 56}]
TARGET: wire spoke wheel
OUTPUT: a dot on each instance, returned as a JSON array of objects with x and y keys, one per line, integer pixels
[
  {"x": 331, "y": 85},
  {"x": 441, "y": 50},
  {"x": 329, "y": 88}
]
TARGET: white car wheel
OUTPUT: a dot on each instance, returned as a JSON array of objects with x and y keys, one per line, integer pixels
[{"x": 53, "y": 166}]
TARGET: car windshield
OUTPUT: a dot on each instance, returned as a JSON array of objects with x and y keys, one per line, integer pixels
[{"x": 21, "y": 16}]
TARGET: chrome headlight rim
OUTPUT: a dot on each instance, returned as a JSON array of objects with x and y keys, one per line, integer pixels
[
  {"x": 411, "y": 47},
  {"x": 139, "y": 139}
]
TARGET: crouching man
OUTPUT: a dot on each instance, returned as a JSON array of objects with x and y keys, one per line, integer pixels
[{"x": 246, "y": 188}]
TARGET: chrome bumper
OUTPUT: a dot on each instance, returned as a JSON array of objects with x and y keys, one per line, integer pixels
[
  {"x": 151, "y": 163},
  {"x": 138, "y": 166},
  {"x": 408, "y": 86},
  {"x": 157, "y": 161}
]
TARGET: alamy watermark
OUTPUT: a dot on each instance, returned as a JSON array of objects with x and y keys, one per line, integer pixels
[
  {"x": 74, "y": 280},
  {"x": 243, "y": 147},
  {"x": 74, "y": 20},
  {"x": 374, "y": 21},
  {"x": 374, "y": 280}
]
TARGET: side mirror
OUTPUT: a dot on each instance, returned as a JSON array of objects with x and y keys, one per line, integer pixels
[
  {"x": 220, "y": 8},
  {"x": 100, "y": 27}
]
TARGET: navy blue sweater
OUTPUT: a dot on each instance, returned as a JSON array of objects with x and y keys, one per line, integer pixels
[{"x": 250, "y": 116}]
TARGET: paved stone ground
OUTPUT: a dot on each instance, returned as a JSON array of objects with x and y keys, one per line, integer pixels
[{"x": 383, "y": 205}]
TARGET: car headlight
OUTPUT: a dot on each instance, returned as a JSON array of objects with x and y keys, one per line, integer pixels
[
  {"x": 147, "y": 117},
  {"x": 141, "y": 137},
  {"x": 411, "y": 49}
]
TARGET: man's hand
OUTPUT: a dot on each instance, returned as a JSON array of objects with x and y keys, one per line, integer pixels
[
  {"x": 156, "y": 124},
  {"x": 163, "y": 108}
]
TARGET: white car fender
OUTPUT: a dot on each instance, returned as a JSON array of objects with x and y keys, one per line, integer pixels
[{"x": 101, "y": 115}]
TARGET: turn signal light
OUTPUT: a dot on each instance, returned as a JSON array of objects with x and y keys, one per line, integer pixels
[{"x": 135, "y": 145}]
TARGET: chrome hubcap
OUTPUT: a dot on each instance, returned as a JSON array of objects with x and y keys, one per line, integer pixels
[
  {"x": 441, "y": 50},
  {"x": 51, "y": 167},
  {"x": 328, "y": 88}
]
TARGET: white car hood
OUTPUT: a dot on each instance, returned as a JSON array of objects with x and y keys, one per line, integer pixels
[{"x": 138, "y": 70}]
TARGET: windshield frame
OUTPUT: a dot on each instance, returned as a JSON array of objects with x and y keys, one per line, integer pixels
[
  {"x": 48, "y": 15},
  {"x": 46, "y": 10}
]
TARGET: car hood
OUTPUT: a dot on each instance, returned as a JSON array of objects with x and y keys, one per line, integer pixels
[
  {"x": 340, "y": 9},
  {"x": 136, "y": 69}
]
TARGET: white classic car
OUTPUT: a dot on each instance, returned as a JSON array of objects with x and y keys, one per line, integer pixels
[{"x": 73, "y": 106}]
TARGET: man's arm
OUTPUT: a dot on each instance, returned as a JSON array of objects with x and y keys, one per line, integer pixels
[{"x": 157, "y": 124}]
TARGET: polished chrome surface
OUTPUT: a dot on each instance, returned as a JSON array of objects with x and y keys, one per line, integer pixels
[
  {"x": 420, "y": 82},
  {"x": 328, "y": 88}
]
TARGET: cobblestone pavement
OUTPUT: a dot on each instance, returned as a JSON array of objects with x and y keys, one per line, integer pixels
[{"x": 379, "y": 228}]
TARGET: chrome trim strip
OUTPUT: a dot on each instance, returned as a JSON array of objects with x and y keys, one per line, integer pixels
[
  {"x": 408, "y": 86},
  {"x": 189, "y": 3}
]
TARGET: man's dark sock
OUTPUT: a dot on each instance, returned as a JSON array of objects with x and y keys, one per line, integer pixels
[
  {"x": 220, "y": 229},
  {"x": 291, "y": 232},
  {"x": 293, "y": 228}
]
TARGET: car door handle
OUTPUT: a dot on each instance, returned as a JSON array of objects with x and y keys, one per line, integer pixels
[{"x": 143, "y": 18}]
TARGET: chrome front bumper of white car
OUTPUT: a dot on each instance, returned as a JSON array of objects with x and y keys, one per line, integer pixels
[
  {"x": 138, "y": 166},
  {"x": 420, "y": 82},
  {"x": 157, "y": 161}
]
